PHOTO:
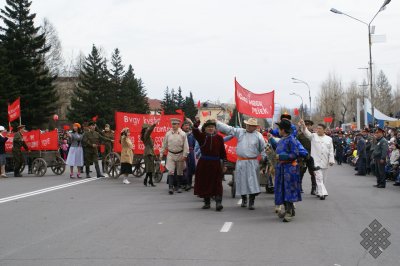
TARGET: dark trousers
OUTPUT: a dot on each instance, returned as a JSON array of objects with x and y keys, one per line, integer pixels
[
  {"x": 339, "y": 156},
  {"x": 362, "y": 166},
  {"x": 310, "y": 166},
  {"x": 96, "y": 165},
  {"x": 18, "y": 162},
  {"x": 380, "y": 173}
]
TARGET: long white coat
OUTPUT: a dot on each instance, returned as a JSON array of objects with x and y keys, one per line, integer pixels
[{"x": 321, "y": 149}]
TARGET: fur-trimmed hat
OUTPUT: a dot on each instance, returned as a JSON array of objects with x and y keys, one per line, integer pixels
[{"x": 286, "y": 116}]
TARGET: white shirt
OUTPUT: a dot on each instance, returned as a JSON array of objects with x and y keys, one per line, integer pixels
[{"x": 321, "y": 149}]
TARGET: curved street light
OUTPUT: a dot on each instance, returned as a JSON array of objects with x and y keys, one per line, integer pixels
[
  {"x": 333, "y": 10},
  {"x": 295, "y": 80}
]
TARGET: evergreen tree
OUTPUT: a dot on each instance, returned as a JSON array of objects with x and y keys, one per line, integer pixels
[
  {"x": 189, "y": 107},
  {"x": 234, "y": 122},
  {"x": 168, "y": 104},
  {"x": 179, "y": 100},
  {"x": 93, "y": 95},
  {"x": 117, "y": 71},
  {"x": 22, "y": 63},
  {"x": 133, "y": 94}
]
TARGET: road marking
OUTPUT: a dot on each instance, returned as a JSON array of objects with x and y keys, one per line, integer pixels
[
  {"x": 45, "y": 190},
  {"x": 226, "y": 227},
  {"x": 240, "y": 202}
]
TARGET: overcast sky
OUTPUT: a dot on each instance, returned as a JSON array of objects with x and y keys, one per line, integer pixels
[{"x": 202, "y": 45}]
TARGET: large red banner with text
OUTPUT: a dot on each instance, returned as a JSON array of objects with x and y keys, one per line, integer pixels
[
  {"x": 252, "y": 104},
  {"x": 14, "y": 110},
  {"x": 135, "y": 121},
  {"x": 36, "y": 141}
]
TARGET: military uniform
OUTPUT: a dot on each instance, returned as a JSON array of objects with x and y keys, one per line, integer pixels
[
  {"x": 91, "y": 138},
  {"x": 379, "y": 155},
  {"x": 18, "y": 157},
  {"x": 108, "y": 144},
  {"x": 307, "y": 162},
  {"x": 149, "y": 156}
]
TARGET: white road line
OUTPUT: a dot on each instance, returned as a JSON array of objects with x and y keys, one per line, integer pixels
[
  {"x": 45, "y": 190},
  {"x": 226, "y": 227},
  {"x": 239, "y": 202}
]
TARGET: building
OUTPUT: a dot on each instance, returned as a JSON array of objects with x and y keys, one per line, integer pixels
[
  {"x": 220, "y": 112},
  {"x": 65, "y": 87}
]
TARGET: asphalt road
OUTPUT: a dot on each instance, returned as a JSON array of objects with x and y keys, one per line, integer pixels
[{"x": 104, "y": 222}]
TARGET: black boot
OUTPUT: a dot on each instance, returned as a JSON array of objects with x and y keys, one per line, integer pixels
[
  {"x": 207, "y": 204},
  {"x": 145, "y": 180},
  {"x": 218, "y": 206},
  {"x": 99, "y": 174},
  {"x": 179, "y": 182},
  {"x": 171, "y": 184},
  {"x": 251, "y": 201},
  {"x": 151, "y": 180},
  {"x": 88, "y": 171},
  {"x": 244, "y": 201},
  {"x": 289, "y": 212}
]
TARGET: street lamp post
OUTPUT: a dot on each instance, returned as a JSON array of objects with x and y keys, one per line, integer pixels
[
  {"x": 302, "y": 103},
  {"x": 333, "y": 10},
  {"x": 295, "y": 80}
]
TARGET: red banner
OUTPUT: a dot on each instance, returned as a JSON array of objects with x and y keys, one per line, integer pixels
[
  {"x": 14, "y": 110},
  {"x": 135, "y": 121},
  {"x": 328, "y": 119},
  {"x": 230, "y": 147},
  {"x": 36, "y": 141},
  {"x": 49, "y": 141},
  {"x": 254, "y": 105}
]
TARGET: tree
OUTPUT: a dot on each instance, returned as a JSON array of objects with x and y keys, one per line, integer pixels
[
  {"x": 329, "y": 99},
  {"x": 168, "y": 104},
  {"x": 383, "y": 99},
  {"x": 93, "y": 95},
  {"x": 234, "y": 121},
  {"x": 53, "y": 58},
  {"x": 189, "y": 107},
  {"x": 133, "y": 95},
  {"x": 179, "y": 100},
  {"x": 23, "y": 51}
]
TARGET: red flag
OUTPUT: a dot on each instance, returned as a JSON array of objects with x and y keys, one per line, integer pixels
[
  {"x": 94, "y": 118},
  {"x": 14, "y": 110},
  {"x": 328, "y": 119},
  {"x": 205, "y": 114},
  {"x": 179, "y": 111},
  {"x": 296, "y": 112},
  {"x": 198, "y": 104},
  {"x": 252, "y": 104}
]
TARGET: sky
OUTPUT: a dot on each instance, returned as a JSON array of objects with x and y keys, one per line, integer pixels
[{"x": 203, "y": 45}]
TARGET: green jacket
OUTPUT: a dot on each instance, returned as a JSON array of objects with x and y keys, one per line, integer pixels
[
  {"x": 306, "y": 142},
  {"x": 90, "y": 138},
  {"x": 19, "y": 142},
  {"x": 381, "y": 149},
  {"x": 148, "y": 142}
]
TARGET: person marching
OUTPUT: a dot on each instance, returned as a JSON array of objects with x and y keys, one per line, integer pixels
[
  {"x": 250, "y": 145},
  {"x": 175, "y": 141},
  {"x": 126, "y": 154},
  {"x": 322, "y": 152},
  {"x": 287, "y": 172},
  {"x": 91, "y": 140},
  {"x": 3, "y": 140},
  {"x": 308, "y": 162},
  {"x": 208, "y": 176},
  {"x": 190, "y": 161},
  {"x": 379, "y": 156},
  {"x": 108, "y": 144},
  {"x": 18, "y": 143},
  {"x": 149, "y": 155},
  {"x": 75, "y": 154}
]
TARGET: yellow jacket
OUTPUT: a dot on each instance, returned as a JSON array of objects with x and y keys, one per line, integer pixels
[{"x": 126, "y": 153}]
